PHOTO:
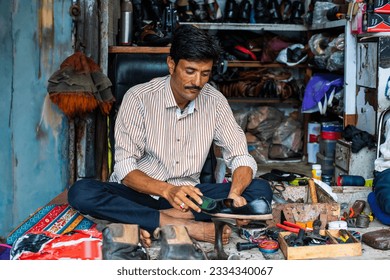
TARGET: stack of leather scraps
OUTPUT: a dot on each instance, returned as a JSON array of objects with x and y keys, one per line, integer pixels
[{"x": 263, "y": 83}]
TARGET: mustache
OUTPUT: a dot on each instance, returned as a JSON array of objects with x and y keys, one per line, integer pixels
[{"x": 193, "y": 87}]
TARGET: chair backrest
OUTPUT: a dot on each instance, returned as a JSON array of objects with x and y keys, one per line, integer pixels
[{"x": 128, "y": 69}]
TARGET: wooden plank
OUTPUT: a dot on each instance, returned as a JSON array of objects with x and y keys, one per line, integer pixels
[
  {"x": 133, "y": 49},
  {"x": 304, "y": 212}
]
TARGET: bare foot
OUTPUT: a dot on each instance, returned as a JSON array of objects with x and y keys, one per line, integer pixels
[
  {"x": 145, "y": 238},
  {"x": 203, "y": 231}
]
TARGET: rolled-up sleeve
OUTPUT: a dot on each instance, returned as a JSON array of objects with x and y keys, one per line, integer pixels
[
  {"x": 129, "y": 136},
  {"x": 231, "y": 138}
]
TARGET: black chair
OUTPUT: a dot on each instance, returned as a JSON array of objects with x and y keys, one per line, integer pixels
[{"x": 128, "y": 69}]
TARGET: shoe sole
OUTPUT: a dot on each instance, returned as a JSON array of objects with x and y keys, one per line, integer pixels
[{"x": 242, "y": 217}]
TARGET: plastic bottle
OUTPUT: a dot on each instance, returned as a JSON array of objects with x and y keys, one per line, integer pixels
[
  {"x": 316, "y": 171},
  {"x": 126, "y": 26},
  {"x": 351, "y": 180}
]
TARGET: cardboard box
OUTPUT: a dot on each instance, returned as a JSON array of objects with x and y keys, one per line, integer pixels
[
  {"x": 327, "y": 251},
  {"x": 382, "y": 6},
  {"x": 378, "y": 22}
]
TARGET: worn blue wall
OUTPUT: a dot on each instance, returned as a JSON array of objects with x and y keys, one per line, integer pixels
[{"x": 35, "y": 37}]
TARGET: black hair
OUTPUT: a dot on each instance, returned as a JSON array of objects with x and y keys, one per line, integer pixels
[{"x": 192, "y": 43}]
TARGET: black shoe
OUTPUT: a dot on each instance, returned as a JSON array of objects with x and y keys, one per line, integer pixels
[
  {"x": 199, "y": 10},
  {"x": 258, "y": 209},
  {"x": 231, "y": 11},
  {"x": 176, "y": 244},
  {"x": 275, "y": 16},
  {"x": 245, "y": 9},
  {"x": 153, "y": 35},
  {"x": 121, "y": 242},
  {"x": 152, "y": 10},
  {"x": 213, "y": 10},
  {"x": 298, "y": 11},
  {"x": 286, "y": 10},
  {"x": 184, "y": 11},
  {"x": 261, "y": 12}
]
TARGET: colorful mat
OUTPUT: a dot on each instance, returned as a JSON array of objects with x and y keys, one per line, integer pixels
[{"x": 58, "y": 219}]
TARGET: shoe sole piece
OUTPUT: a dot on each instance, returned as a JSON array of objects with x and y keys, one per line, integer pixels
[{"x": 242, "y": 217}]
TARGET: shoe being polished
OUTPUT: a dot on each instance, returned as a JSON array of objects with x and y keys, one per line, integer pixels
[{"x": 258, "y": 209}]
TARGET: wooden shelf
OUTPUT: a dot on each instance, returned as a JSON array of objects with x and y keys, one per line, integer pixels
[
  {"x": 248, "y": 26},
  {"x": 265, "y": 26},
  {"x": 330, "y": 24},
  {"x": 258, "y": 64},
  {"x": 137, "y": 49}
]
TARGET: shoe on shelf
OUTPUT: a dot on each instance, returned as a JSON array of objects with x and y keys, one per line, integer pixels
[
  {"x": 245, "y": 8},
  {"x": 213, "y": 10},
  {"x": 199, "y": 10},
  {"x": 231, "y": 11},
  {"x": 153, "y": 35},
  {"x": 260, "y": 11},
  {"x": 184, "y": 11}
]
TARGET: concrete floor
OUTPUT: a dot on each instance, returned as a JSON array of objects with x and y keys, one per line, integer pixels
[{"x": 345, "y": 196}]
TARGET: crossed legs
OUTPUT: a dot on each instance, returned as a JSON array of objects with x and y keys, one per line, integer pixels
[{"x": 117, "y": 203}]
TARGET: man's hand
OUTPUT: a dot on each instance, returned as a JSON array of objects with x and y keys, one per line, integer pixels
[
  {"x": 239, "y": 201},
  {"x": 179, "y": 197}
]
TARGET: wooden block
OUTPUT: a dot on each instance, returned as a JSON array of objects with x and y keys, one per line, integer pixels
[{"x": 304, "y": 212}]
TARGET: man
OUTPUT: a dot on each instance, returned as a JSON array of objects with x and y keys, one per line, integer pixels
[{"x": 163, "y": 133}]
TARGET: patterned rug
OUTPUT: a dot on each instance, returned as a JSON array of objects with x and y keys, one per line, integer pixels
[{"x": 57, "y": 219}]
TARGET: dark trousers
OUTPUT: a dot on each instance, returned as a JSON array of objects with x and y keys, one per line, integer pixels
[{"x": 120, "y": 204}]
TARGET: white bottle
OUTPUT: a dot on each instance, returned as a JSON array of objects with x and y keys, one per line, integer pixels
[{"x": 316, "y": 171}]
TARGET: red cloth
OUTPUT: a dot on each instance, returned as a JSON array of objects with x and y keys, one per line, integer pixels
[{"x": 79, "y": 244}]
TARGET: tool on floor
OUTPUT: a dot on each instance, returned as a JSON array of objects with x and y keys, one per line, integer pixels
[
  {"x": 268, "y": 246},
  {"x": 294, "y": 240},
  {"x": 241, "y": 246},
  {"x": 292, "y": 227},
  {"x": 344, "y": 236},
  {"x": 315, "y": 236},
  {"x": 313, "y": 191},
  {"x": 264, "y": 246}
]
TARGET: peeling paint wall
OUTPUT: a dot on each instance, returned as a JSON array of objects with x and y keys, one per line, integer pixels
[{"x": 35, "y": 37}]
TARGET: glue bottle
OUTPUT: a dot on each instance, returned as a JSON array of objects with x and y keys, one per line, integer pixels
[{"x": 316, "y": 171}]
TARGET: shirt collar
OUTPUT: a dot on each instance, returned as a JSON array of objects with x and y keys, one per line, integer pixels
[{"x": 171, "y": 102}]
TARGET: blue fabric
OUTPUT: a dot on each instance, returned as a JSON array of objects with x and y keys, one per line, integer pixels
[
  {"x": 318, "y": 86},
  {"x": 5, "y": 252},
  {"x": 376, "y": 210},
  {"x": 381, "y": 187}
]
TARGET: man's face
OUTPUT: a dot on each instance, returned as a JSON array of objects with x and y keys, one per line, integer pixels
[{"x": 188, "y": 78}]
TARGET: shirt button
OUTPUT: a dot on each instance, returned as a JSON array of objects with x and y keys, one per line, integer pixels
[
  {"x": 177, "y": 162},
  {"x": 178, "y": 140}
]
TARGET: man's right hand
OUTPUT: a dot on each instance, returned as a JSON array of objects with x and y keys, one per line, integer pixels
[{"x": 179, "y": 197}]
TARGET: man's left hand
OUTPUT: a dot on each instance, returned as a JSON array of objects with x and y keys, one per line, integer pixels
[{"x": 239, "y": 201}]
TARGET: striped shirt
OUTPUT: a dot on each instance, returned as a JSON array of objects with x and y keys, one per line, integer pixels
[{"x": 153, "y": 135}]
